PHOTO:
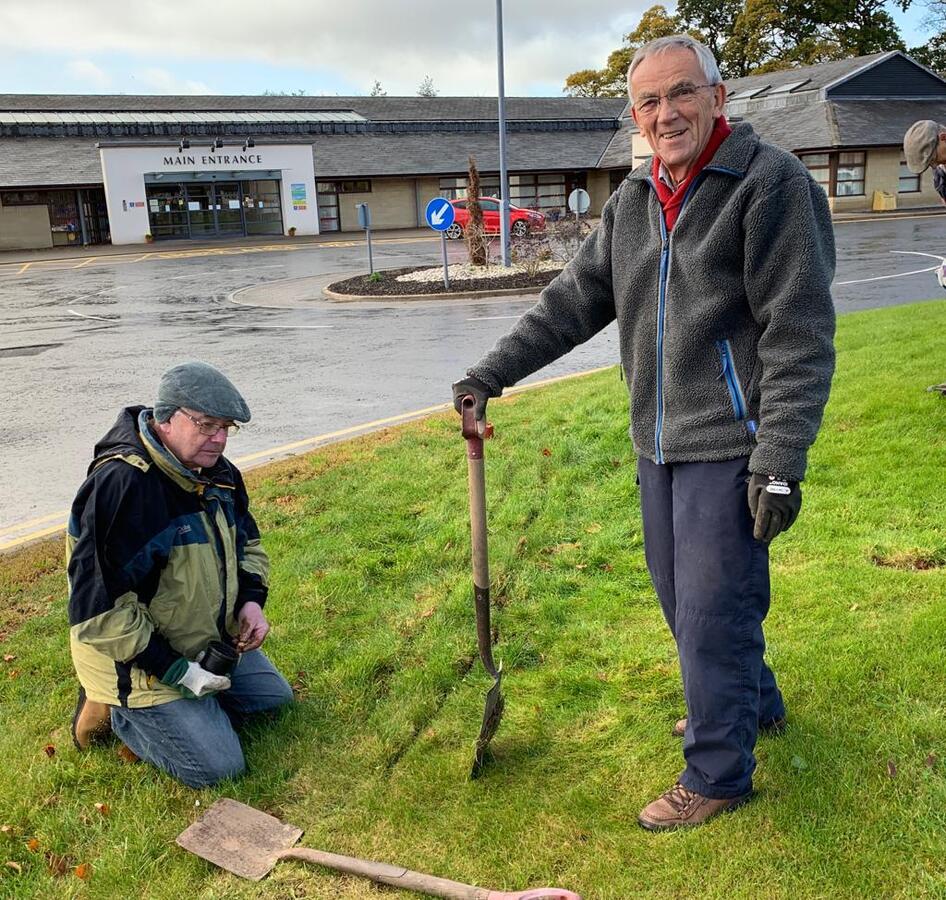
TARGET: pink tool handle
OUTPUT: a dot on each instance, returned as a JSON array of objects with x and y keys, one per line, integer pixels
[{"x": 534, "y": 894}]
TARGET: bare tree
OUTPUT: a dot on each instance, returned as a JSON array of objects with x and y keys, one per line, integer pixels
[
  {"x": 427, "y": 88},
  {"x": 475, "y": 238},
  {"x": 377, "y": 90}
]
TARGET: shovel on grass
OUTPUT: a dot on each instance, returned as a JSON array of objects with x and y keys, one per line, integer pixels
[
  {"x": 476, "y": 432},
  {"x": 249, "y": 843}
]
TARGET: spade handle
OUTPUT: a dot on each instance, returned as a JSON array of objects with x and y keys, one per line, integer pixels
[{"x": 399, "y": 877}]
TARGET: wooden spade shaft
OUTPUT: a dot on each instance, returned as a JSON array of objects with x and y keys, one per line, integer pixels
[{"x": 398, "y": 877}]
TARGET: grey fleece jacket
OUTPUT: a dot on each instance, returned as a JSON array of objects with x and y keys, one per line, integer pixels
[{"x": 726, "y": 325}]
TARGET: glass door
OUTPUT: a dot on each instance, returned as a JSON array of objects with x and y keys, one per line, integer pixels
[
  {"x": 167, "y": 211},
  {"x": 227, "y": 206},
  {"x": 328, "y": 206},
  {"x": 200, "y": 211}
]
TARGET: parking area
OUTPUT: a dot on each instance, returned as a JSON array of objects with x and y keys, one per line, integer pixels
[{"x": 82, "y": 337}]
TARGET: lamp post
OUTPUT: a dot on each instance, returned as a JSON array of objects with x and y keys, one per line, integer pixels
[{"x": 503, "y": 181}]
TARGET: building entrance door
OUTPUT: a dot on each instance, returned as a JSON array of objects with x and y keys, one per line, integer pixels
[
  {"x": 228, "y": 208},
  {"x": 210, "y": 209}
]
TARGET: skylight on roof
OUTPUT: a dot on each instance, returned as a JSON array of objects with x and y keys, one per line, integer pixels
[{"x": 788, "y": 88}]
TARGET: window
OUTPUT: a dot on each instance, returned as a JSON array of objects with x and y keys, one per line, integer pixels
[
  {"x": 455, "y": 188},
  {"x": 839, "y": 174},
  {"x": 819, "y": 165},
  {"x": 489, "y": 205},
  {"x": 849, "y": 181},
  {"x": 615, "y": 177},
  {"x": 544, "y": 192},
  {"x": 354, "y": 187},
  {"x": 909, "y": 183}
]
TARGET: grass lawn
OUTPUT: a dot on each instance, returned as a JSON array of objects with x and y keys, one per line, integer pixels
[{"x": 372, "y": 621}]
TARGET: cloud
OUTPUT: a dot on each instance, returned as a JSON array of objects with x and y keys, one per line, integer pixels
[
  {"x": 88, "y": 73},
  {"x": 358, "y": 41},
  {"x": 161, "y": 81}
]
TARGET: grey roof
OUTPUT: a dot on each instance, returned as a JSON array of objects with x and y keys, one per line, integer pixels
[
  {"x": 363, "y": 155},
  {"x": 619, "y": 152},
  {"x": 866, "y": 123},
  {"x": 803, "y": 128},
  {"x": 48, "y": 162},
  {"x": 818, "y": 76},
  {"x": 379, "y": 109},
  {"x": 49, "y": 117}
]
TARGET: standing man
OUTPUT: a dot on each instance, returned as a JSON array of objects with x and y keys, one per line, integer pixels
[
  {"x": 924, "y": 145},
  {"x": 716, "y": 259},
  {"x": 163, "y": 558}
]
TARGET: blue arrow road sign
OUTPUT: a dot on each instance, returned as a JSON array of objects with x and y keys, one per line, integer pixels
[{"x": 439, "y": 214}]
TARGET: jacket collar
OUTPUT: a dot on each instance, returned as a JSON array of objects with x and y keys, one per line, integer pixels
[{"x": 733, "y": 156}]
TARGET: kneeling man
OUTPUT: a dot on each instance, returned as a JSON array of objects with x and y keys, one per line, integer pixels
[{"x": 164, "y": 559}]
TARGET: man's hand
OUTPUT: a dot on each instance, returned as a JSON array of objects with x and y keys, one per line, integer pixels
[
  {"x": 253, "y": 627},
  {"x": 774, "y": 503},
  {"x": 478, "y": 390},
  {"x": 193, "y": 681}
]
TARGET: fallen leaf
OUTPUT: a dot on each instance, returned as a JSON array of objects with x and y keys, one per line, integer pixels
[
  {"x": 581, "y": 565},
  {"x": 427, "y": 613},
  {"x": 593, "y": 528},
  {"x": 601, "y": 676},
  {"x": 102, "y": 808},
  {"x": 891, "y": 768},
  {"x": 6, "y": 829},
  {"x": 15, "y": 866},
  {"x": 521, "y": 543},
  {"x": 853, "y": 607},
  {"x": 930, "y": 761},
  {"x": 57, "y": 864},
  {"x": 8, "y": 657},
  {"x": 126, "y": 754},
  {"x": 49, "y": 750},
  {"x": 606, "y": 567},
  {"x": 546, "y": 451},
  {"x": 14, "y": 673},
  {"x": 83, "y": 871},
  {"x": 32, "y": 845}
]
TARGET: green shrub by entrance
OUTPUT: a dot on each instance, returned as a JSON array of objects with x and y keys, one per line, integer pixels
[{"x": 373, "y": 624}]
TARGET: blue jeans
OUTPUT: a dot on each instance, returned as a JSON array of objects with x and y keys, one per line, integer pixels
[
  {"x": 712, "y": 579},
  {"x": 194, "y": 740}
]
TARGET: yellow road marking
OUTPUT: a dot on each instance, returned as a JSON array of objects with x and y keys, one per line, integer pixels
[
  {"x": 25, "y": 267},
  {"x": 35, "y": 536},
  {"x": 56, "y": 515},
  {"x": 81, "y": 264}
]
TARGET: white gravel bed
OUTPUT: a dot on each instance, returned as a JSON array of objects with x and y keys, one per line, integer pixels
[{"x": 464, "y": 271}]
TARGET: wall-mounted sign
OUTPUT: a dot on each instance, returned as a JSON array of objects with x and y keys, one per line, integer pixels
[
  {"x": 298, "y": 195},
  {"x": 213, "y": 159}
]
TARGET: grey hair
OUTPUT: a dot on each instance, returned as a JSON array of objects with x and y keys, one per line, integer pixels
[{"x": 704, "y": 56}]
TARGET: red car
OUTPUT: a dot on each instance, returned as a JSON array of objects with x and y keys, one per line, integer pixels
[{"x": 521, "y": 221}]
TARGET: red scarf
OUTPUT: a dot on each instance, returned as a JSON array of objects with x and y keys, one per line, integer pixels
[{"x": 671, "y": 200}]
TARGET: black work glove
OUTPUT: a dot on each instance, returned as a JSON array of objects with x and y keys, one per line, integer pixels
[
  {"x": 774, "y": 502},
  {"x": 472, "y": 386}
]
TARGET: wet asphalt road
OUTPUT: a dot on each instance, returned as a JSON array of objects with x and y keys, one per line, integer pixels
[{"x": 76, "y": 344}]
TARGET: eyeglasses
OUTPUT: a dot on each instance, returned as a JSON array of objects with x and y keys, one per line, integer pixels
[
  {"x": 210, "y": 428},
  {"x": 681, "y": 95}
]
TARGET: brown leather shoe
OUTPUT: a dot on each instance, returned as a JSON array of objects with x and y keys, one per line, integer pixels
[
  {"x": 92, "y": 722},
  {"x": 682, "y": 808},
  {"x": 770, "y": 727}
]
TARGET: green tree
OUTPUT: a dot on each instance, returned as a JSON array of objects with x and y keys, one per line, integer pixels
[
  {"x": 752, "y": 36},
  {"x": 611, "y": 81},
  {"x": 933, "y": 54}
]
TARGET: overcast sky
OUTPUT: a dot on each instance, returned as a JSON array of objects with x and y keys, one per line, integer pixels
[{"x": 319, "y": 46}]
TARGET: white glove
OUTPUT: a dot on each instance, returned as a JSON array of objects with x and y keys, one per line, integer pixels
[{"x": 198, "y": 682}]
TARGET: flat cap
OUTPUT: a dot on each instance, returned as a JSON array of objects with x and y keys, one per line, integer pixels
[
  {"x": 202, "y": 388},
  {"x": 919, "y": 145}
]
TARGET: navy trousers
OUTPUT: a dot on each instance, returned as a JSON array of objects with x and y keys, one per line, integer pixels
[{"x": 712, "y": 579}]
